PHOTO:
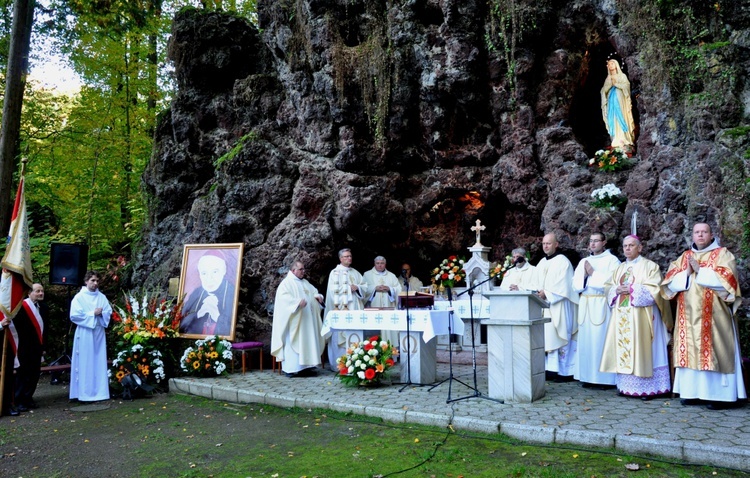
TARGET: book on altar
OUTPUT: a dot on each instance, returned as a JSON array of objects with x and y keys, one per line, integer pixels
[
  {"x": 416, "y": 300},
  {"x": 411, "y": 293},
  {"x": 379, "y": 308}
]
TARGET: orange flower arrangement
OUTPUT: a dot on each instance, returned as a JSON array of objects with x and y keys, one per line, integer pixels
[
  {"x": 450, "y": 271},
  {"x": 611, "y": 159},
  {"x": 146, "y": 320},
  {"x": 146, "y": 360}
]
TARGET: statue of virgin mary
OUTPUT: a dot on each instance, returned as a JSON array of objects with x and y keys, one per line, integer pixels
[{"x": 617, "y": 107}]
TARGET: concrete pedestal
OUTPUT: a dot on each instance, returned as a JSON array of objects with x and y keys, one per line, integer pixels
[
  {"x": 515, "y": 359},
  {"x": 515, "y": 346},
  {"x": 422, "y": 358}
]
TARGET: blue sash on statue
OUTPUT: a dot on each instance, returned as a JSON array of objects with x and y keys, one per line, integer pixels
[{"x": 614, "y": 112}]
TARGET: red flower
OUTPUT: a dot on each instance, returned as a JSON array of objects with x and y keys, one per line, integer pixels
[
  {"x": 452, "y": 258},
  {"x": 368, "y": 347},
  {"x": 444, "y": 276},
  {"x": 374, "y": 338},
  {"x": 389, "y": 362},
  {"x": 370, "y": 373}
]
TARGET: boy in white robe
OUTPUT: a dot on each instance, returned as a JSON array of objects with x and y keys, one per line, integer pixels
[{"x": 90, "y": 311}]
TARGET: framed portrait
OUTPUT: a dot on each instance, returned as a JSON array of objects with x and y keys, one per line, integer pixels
[{"x": 210, "y": 288}]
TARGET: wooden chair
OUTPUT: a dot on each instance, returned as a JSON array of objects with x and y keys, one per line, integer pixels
[{"x": 244, "y": 348}]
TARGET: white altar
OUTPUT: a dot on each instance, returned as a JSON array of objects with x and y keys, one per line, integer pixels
[
  {"x": 480, "y": 307},
  {"x": 349, "y": 326}
]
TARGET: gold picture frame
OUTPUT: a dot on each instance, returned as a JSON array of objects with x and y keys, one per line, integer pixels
[{"x": 209, "y": 287}]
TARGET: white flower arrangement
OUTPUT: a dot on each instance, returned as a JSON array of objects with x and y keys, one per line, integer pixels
[
  {"x": 608, "y": 196},
  {"x": 366, "y": 362}
]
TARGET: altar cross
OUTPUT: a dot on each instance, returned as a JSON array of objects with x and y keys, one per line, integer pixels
[{"x": 478, "y": 229}]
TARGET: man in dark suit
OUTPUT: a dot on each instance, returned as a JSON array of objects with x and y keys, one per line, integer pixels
[{"x": 29, "y": 324}]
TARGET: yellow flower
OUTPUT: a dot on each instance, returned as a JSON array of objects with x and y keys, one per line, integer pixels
[
  {"x": 214, "y": 354},
  {"x": 196, "y": 365}
]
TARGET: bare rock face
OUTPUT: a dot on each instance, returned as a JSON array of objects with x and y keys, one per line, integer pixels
[{"x": 390, "y": 127}]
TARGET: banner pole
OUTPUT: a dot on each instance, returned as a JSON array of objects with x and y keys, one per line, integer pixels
[{"x": 2, "y": 369}]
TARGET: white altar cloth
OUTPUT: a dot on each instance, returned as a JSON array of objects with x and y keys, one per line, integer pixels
[
  {"x": 462, "y": 308},
  {"x": 429, "y": 322}
]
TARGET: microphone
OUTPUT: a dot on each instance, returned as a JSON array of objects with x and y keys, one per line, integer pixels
[{"x": 404, "y": 273}]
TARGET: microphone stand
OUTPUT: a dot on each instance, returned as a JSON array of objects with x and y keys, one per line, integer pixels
[
  {"x": 408, "y": 341},
  {"x": 450, "y": 378},
  {"x": 477, "y": 393},
  {"x": 64, "y": 359}
]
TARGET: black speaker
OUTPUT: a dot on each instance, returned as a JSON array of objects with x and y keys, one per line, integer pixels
[{"x": 67, "y": 263}]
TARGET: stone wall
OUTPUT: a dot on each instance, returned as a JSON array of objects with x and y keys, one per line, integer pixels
[{"x": 390, "y": 127}]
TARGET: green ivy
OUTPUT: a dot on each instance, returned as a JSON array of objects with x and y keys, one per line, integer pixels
[{"x": 232, "y": 153}]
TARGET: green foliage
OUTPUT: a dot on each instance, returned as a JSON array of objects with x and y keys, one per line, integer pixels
[
  {"x": 510, "y": 21},
  {"x": 232, "y": 153},
  {"x": 744, "y": 333},
  {"x": 370, "y": 64},
  {"x": 738, "y": 132},
  {"x": 682, "y": 44}
]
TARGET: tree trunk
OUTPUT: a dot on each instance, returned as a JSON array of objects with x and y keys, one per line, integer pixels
[{"x": 15, "y": 82}]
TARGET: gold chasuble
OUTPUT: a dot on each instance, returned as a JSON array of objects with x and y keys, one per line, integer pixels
[
  {"x": 704, "y": 336},
  {"x": 628, "y": 346}
]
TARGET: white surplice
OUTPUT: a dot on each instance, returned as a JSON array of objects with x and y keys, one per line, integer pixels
[
  {"x": 383, "y": 299},
  {"x": 339, "y": 296},
  {"x": 89, "y": 380},
  {"x": 593, "y": 317},
  {"x": 556, "y": 280},
  {"x": 295, "y": 338}
]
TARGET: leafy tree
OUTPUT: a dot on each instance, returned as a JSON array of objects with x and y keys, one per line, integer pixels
[{"x": 15, "y": 83}]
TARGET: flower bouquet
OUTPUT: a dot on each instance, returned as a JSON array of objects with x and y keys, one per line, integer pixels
[
  {"x": 366, "y": 362},
  {"x": 608, "y": 196},
  {"x": 147, "y": 319},
  {"x": 449, "y": 272},
  {"x": 145, "y": 361},
  {"x": 207, "y": 357},
  {"x": 610, "y": 159},
  {"x": 498, "y": 270}
]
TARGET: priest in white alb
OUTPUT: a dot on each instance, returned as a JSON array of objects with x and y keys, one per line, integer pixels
[
  {"x": 295, "y": 337},
  {"x": 593, "y": 311},
  {"x": 347, "y": 290},
  {"x": 522, "y": 276},
  {"x": 384, "y": 288},
  {"x": 555, "y": 274},
  {"x": 90, "y": 311}
]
